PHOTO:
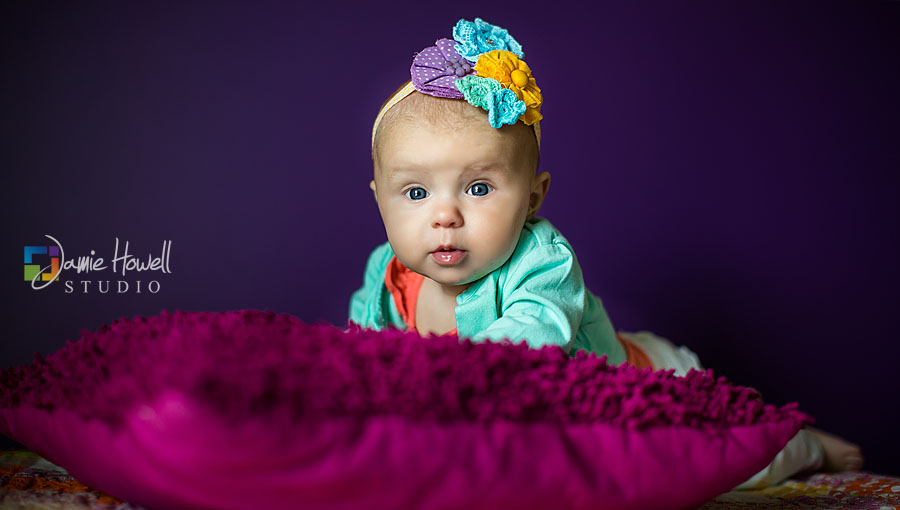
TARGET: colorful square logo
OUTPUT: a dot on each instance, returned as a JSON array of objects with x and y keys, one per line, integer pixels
[{"x": 32, "y": 269}]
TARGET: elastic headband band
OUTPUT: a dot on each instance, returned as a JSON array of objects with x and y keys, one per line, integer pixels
[{"x": 400, "y": 94}]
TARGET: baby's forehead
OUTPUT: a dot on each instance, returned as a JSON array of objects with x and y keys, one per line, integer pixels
[
  {"x": 424, "y": 156},
  {"x": 441, "y": 117},
  {"x": 470, "y": 132},
  {"x": 420, "y": 122},
  {"x": 436, "y": 111}
]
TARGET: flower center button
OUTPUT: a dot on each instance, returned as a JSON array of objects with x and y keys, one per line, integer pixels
[{"x": 519, "y": 78}]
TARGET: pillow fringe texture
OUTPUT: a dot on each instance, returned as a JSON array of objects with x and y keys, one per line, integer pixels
[{"x": 248, "y": 363}]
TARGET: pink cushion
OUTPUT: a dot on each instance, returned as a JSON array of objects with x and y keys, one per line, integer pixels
[{"x": 256, "y": 410}]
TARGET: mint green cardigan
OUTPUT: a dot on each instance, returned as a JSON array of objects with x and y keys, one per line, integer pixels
[{"x": 538, "y": 296}]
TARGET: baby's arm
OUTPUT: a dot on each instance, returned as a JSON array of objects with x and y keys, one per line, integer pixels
[
  {"x": 542, "y": 299},
  {"x": 361, "y": 309}
]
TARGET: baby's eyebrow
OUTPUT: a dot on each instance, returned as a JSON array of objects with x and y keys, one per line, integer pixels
[
  {"x": 404, "y": 170},
  {"x": 402, "y": 174},
  {"x": 488, "y": 167}
]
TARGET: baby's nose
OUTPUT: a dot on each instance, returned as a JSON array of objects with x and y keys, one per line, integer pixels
[{"x": 447, "y": 215}]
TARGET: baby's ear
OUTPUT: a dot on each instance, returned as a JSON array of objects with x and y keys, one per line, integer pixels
[
  {"x": 372, "y": 185},
  {"x": 539, "y": 187}
]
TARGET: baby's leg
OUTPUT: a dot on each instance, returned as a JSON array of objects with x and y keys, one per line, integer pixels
[
  {"x": 810, "y": 450},
  {"x": 805, "y": 451},
  {"x": 839, "y": 454}
]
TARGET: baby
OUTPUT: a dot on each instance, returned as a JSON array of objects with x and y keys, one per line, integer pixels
[{"x": 456, "y": 152}]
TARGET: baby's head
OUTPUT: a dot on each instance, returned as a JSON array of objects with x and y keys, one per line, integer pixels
[{"x": 455, "y": 183}]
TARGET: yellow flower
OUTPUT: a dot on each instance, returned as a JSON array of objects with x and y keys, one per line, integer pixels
[{"x": 513, "y": 73}]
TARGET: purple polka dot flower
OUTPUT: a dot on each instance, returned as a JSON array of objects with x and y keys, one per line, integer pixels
[{"x": 435, "y": 70}]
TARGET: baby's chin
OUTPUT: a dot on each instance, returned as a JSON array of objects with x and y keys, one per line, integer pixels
[
  {"x": 447, "y": 277},
  {"x": 455, "y": 277}
]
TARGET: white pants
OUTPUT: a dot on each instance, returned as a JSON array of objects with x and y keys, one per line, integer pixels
[{"x": 803, "y": 452}]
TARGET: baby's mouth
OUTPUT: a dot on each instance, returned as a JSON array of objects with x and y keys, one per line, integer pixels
[{"x": 448, "y": 255}]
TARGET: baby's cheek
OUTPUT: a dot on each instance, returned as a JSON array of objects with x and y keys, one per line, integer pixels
[
  {"x": 404, "y": 235},
  {"x": 501, "y": 223},
  {"x": 499, "y": 240}
]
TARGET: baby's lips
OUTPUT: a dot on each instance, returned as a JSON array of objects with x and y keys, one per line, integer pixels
[
  {"x": 448, "y": 257},
  {"x": 446, "y": 247}
]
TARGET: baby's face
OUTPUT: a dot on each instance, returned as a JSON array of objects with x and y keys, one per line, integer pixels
[{"x": 453, "y": 201}]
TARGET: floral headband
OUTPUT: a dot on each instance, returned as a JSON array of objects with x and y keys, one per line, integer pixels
[{"x": 481, "y": 64}]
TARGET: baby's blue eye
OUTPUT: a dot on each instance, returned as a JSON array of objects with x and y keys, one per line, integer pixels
[
  {"x": 481, "y": 189},
  {"x": 416, "y": 193}
]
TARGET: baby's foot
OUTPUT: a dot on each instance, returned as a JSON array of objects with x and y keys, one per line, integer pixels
[{"x": 839, "y": 454}]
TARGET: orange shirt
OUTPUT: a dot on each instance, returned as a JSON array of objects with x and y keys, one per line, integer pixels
[
  {"x": 635, "y": 355},
  {"x": 404, "y": 285}
]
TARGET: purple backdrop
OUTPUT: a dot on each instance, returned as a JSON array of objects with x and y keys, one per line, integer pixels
[{"x": 727, "y": 172}]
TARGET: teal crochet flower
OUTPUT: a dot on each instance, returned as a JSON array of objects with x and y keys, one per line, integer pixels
[
  {"x": 475, "y": 88},
  {"x": 481, "y": 37},
  {"x": 504, "y": 108},
  {"x": 502, "y": 104}
]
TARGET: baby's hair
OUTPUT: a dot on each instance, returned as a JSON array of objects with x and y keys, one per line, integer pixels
[{"x": 452, "y": 114}]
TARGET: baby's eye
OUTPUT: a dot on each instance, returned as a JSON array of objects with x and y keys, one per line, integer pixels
[
  {"x": 416, "y": 193},
  {"x": 481, "y": 189}
]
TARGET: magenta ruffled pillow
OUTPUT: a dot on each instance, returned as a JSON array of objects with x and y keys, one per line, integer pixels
[{"x": 256, "y": 410}]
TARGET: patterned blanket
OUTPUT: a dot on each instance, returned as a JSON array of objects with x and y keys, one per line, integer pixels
[{"x": 28, "y": 481}]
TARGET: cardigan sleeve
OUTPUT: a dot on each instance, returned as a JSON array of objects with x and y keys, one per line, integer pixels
[
  {"x": 364, "y": 302},
  {"x": 542, "y": 299}
]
